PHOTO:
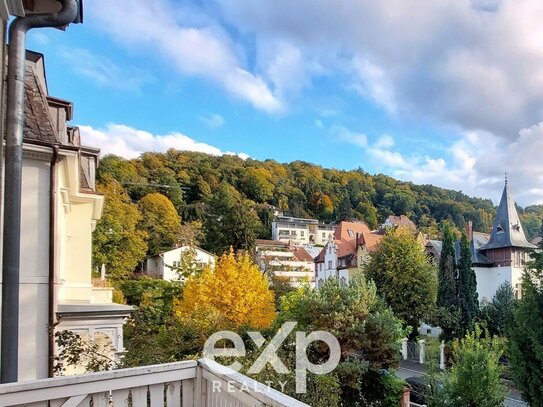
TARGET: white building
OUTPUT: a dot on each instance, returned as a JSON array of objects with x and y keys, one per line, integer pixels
[
  {"x": 497, "y": 257},
  {"x": 165, "y": 265},
  {"x": 287, "y": 261},
  {"x": 345, "y": 252},
  {"x": 300, "y": 230},
  {"x": 56, "y": 287}
]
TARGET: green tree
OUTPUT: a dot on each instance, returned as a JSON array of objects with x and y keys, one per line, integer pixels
[
  {"x": 116, "y": 242},
  {"x": 474, "y": 378},
  {"x": 498, "y": 314},
  {"x": 231, "y": 221},
  {"x": 468, "y": 298},
  {"x": 160, "y": 221},
  {"x": 526, "y": 334},
  {"x": 404, "y": 276},
  {"x": 446, "y": 294}
]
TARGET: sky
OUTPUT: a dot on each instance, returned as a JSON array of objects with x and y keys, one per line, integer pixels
[{"x": 445, "y": 92}]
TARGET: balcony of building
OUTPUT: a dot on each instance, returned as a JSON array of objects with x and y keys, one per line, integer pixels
[{"x": 201, "y": 383}]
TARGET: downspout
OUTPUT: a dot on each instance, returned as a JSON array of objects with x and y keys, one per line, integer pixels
[
  {"x": 9, "y": 351},
  {"x": 52, "y": 257}
]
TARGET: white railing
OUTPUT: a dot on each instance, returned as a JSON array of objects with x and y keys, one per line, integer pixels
[{"x": 188, "y": 384}]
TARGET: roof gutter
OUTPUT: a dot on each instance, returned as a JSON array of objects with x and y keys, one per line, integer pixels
[{"x": 9, "y": 351}]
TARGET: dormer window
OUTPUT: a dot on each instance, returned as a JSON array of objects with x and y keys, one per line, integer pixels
[
  {"x": 351, "y": 233},
  {"x": 499, "y": 228}
]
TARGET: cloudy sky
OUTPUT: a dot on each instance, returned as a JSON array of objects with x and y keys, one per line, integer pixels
[{"x": 446, "y": 92}]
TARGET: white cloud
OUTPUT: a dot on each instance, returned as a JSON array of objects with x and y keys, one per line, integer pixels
[
  {"x": 102, "y": 71},
  {"x": 344, "y": 134},
  {"x": 129, "y": 142},
  {"x": 157, "y": 29},
  {"x": 475, "y": 64},
  {"x": 318, "y": 124},
  {"x": 213, "y": 120},
  {"x": 474, "y": 164}
]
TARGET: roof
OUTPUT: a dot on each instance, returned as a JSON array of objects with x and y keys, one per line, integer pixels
[
  {"x": 537, "y": 240},
  {"x": 507, "y": 230},
  {"x": 94, "y": 309},
  {"x": 272, "y": 243},
  {"x": 348, "y": 230},
  {"x": 302, "y": 254},
  {"x": 37, "y": 124},
  {"x": 181, "y": 246},
  {"x": 402, "y": 220}
]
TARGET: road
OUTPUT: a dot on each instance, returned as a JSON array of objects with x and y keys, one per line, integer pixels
[{"x": 410, "y": 368}]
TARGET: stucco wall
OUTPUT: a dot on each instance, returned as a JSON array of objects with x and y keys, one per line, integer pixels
[{"x": 489, "y": 279}]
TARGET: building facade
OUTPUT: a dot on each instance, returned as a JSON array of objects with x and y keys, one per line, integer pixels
[
  {"x": 301, "y": 231},
  {"x": 292, "y": 263},
  {"x": 497, "y": 257},
  {"x": 165, "y": 265},
  {"x": 345, "y": 252},
  {"x": 60, "y": 208}
]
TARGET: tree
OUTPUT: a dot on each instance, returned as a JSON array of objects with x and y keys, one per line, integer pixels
[
  {"x": 231, "y": 221},
  {"x": 526, "y": 334},
  {"x": 160, "y": 221},
  {"x": 468, "y": 298},
  {"x": 235, "y": 288},
  {"x": 446, "y": 294},
  {"x": 474, "y": 378},
  {"x": 404, "y": 276},
  {"x": 116, "y": 242},
  {"x": 362, "y": 324},
  {"x": 498, "y": 314}
]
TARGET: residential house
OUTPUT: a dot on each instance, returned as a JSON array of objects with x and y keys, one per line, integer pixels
[
  {"x": 284, "y": 260},
  {"x": 497, "y": 257},
  {"x": 55, "y": 268},
  {"x": 165, "y": 265},
  {"x": 394, "y": 221},
  {"x": 345, "y": 252},
  {"x": 301, "y": 230}
]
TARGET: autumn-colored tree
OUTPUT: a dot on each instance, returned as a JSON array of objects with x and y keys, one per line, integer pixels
[
  {"x": 160, "y": 221},
  {"x": 235, "y": 288},
  {"x": 404, "y": 276},
  {"x": 116, "y": 242}
]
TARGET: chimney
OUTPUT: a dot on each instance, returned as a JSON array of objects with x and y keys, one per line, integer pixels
[{"x": 469, "y": 230}]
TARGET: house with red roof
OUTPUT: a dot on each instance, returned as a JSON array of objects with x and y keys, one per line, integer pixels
[{"x": 345, "y": 252}]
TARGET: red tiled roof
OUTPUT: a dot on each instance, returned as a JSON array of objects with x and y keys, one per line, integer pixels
[
  {"x": 302, "y": 255},
  {"x": 402, "y": 220}
]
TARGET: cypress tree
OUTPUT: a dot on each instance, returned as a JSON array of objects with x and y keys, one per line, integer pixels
[
  {"x": 468, "y": 299},
  {"x": 526, "y": 334},
  {"x": 446, "y": 294}
]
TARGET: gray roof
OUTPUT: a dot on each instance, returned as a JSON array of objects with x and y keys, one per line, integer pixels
[
  {"x": 507, "y": 229},
  {"x": 477, "y": 257}
]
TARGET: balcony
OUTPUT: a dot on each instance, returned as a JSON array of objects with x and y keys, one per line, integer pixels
[{"x": 181, "y": 384}]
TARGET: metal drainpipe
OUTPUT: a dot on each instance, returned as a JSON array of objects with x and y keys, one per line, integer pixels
[
  {"x": 9, "y": 351},
  {"x": 52, "y": 254}
]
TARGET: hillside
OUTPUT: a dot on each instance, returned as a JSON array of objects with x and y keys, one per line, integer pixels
[{"x": 198, "y": 184}]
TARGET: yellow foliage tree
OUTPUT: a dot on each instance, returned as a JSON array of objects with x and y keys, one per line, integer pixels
[{"x": 235, "y": 288}]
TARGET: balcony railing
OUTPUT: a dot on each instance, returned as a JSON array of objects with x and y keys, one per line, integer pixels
[{"x": 201, "y": 383}]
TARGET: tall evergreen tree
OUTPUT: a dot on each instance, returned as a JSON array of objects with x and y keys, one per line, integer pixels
[
  {"x": 446, "y": 294},
  {"x": 526, "y": 334},
  {"x": 468, "y": 299}
]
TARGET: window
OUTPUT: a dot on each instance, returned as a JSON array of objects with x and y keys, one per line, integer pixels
[
  {"x": 177, "y": 264},
  {"x": 323, "y": 235},
  {"x": 351, "y": 233},
  {"x": 329, "y": 264},
  {"x": 302, "y": 234},
  {"x": 293, "y": 233}
]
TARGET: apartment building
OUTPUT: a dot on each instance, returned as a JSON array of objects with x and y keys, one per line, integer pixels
[{"x": 301, "y": 231}]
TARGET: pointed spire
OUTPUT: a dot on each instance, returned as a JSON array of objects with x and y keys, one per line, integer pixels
[{"x": 507, "y": 230}]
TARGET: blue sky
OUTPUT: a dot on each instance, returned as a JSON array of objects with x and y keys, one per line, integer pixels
[{"x": 449, "y": 93}]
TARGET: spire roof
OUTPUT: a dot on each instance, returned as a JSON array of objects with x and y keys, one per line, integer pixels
[{"x": 507, "y": 230}]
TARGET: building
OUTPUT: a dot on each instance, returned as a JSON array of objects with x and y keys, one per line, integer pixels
[
  {"x": 60, "y": 208},
  {"x": 345, "y": 252},
  {"x": 394, "y": 221},
  {"x": 165, "y": 265},
  {"x": 284, "y": 260},
  {"x": 300, "y": 230},
  {"x": 497, "y": 257}
]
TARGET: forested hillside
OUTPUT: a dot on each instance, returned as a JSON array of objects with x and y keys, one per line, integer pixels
[{"x": 223, "y": 201}]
